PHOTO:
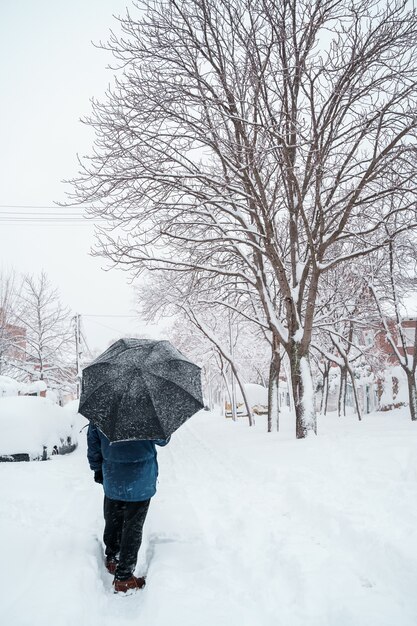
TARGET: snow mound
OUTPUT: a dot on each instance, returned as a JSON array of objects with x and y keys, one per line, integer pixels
[
  {"x": 8, "y": 386},
  {"x": 30, "y": 423},
  {"x": 257, "y": 394},
  {"x": 11, "y": 387}
]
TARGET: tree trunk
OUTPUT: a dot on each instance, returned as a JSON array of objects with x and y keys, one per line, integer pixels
[
  {"x": 325, "y": 389},
  {"x": 342, "y": 394},
  {"x": 345, "y": 388},
  {"x": 412, "y": 395},
  {"x": 273, "y": 386},
  {"x": 355, "y": 393},
  {"x": 226, "y": 384},
  {"x": 303, "y": 393},
  {"x": 243, "y": 392},
  {"x": 326, "y": 399}
]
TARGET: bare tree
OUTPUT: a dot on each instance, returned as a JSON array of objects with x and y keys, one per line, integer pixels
[
  {"x": 12, "y": 334},
  {"x": 165, "y": 295},
  {"x": 266, "y": 141},
  {"x": 49, "y": 333},
  {"x": 389, "y": 290}
]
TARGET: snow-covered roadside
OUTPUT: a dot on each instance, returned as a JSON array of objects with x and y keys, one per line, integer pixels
[{"x": 246, "y": 529}]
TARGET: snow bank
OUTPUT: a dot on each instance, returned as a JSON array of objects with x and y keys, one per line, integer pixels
[
  {"x": 8, "y": 386},
  {"x": 28, "y": 423},
  {"x": 11, "y": 387},
  {"x": 257, "y": 394}
]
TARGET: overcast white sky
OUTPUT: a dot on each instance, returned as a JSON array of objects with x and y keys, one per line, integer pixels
[{"x": 49, "y": 71}]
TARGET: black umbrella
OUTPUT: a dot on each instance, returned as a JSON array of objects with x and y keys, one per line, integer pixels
[{"x": 140, "y": 389}]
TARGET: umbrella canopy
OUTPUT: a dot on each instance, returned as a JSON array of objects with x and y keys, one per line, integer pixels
[{"x": 140, "y": 389}]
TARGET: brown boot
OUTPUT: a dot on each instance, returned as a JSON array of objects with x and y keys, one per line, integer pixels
[{"x": 126, "y": 585}]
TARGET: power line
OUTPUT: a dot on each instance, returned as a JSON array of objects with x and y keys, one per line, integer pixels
[
  {"x": 120, "y": 331},
  {"x": 111, "y": 315},
  {"x": 85, "y": 342},
  {"x": 38, "y": 206},
  {"x": 41, "y": 213},
  {"x": 19, "y": 218},
  {"x": 18, "y": 213},
  {"x": 35, "y": 222},
  {"x": 45, "y": 219}
]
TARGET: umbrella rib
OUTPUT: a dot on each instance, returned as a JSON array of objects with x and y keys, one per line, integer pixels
[
  {"x": 106, "y": 382},
  {"x": 112, "y": 359},
  {"x": 151, "y": 392},
  {"x": 155, "y": 413},
  {"x": 136, "y": 347},
  {"x": 152, "y": 396},
  {"x": 173, "y": 382}
]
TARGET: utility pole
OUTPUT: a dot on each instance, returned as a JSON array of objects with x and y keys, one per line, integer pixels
[{"x": 78, "y": 351}]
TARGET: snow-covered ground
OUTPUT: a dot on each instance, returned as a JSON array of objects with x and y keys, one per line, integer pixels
[{"x": 247, "y": 529}]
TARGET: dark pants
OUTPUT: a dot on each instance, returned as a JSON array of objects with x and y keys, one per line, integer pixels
[{"x": 123, "y": 533}]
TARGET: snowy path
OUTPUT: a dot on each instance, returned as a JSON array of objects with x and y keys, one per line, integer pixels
[{"x": 247, "y": 529}]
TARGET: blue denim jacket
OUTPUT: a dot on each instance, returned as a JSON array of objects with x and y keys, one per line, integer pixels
[{"x": 130, "y": 468}]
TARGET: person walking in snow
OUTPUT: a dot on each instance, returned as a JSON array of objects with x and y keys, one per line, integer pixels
[{"x": 128, "y": 471}]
